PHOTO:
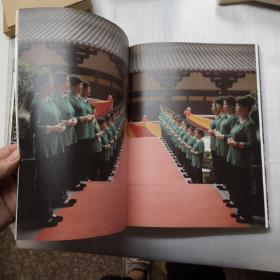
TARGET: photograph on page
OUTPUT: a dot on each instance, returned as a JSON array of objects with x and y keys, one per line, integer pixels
[
  {"x": 195, "y": 136},
  {"x": 72, "y": 90}
]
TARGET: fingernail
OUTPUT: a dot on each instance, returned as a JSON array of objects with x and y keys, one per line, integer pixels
[{"x": 13, "y": 157}]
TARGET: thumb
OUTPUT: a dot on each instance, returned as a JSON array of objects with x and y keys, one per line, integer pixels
[{"x": 9, "y": 164}]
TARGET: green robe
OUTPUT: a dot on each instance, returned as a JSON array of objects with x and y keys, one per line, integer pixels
[
  {"x": 105, "y": 141},
  {"x": 197, "y": 160},
  {"x": 246, "y": 133},
  {"x": 43, "y": 114},
  {"x": 96, "y": 142},
  {"x": 213, "y": 137},
  {"x": 114, "y": 133},
  {"x": 191, "y": 142},
  {"x": 67, "y": 112},
  {"x": 91, "y": 133},
  {"x": 225, "y": 127},
  {"x": 185, "y": 139},
  {"x": 181, "y": 136},
  {"x": 110, "y": 137},
  {"x": 176, "y": 131},
  {"x": 81, "y": 110}
]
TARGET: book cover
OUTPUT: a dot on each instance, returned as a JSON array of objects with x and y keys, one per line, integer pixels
[{"x": 10, "y": 8}]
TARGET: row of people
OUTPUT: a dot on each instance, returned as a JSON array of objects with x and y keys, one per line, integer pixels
[
  {"x": 233, "y": 144},
  {"x": 70, "y": 145},
  {"x": 185, "y": 141}
]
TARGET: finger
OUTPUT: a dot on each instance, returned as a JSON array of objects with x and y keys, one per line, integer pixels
[
  {"x": 9, "y": 164},
  {"x": 7, "y": 150},
  {"x": 9, "y": 193}
]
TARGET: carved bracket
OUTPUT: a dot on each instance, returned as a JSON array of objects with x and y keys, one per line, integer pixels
[
  {"x": 169, "y": 79},
  {"x": 73, "y": 54},
  {"x": 223, "y": 80}
]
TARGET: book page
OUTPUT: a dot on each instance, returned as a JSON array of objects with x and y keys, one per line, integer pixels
[
  {"x": 71, "y": 71},
  {"x": 195, "y": 137}
]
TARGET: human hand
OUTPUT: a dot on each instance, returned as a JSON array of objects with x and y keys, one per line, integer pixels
[
  {"x": 72, "y": 122},
  {"x": 88, "y": 118},
  {"x": 68, "y": 123},
  {"x": 231, "y": 142},
  {"x": 9, "y": 158},
  {"x": 59, "y": 128}
]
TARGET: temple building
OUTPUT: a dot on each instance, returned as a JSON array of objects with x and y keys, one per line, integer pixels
[
  {"x": 188, "y": 74},
  {"x": 86, "y": 52}
]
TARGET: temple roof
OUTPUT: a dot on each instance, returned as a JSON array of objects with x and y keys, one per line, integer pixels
[
  {"x": 63, "y": 25},
  {"x": 193, "y": 57}
]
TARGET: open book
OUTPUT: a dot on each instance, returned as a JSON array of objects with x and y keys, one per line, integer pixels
[{"x": 158, "y": 135}]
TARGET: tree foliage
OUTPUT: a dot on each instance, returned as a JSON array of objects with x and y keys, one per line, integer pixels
[{"x": 26, "y": 90}]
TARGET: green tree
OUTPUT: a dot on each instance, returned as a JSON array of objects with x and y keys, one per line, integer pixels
[{"x": 26, "y": 74}]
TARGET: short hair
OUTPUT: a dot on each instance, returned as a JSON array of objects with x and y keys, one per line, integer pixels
[
  {"x": 230, "y": 101},
  {"x": 107, "y": 117},
  {"x": 85, "y": 84},
  {"x": 101, "y": 121},
  {"x": 246, "y": 101},
  {"x": 220, "y": 100},
  {"x": 192, "y": 128},
  {"x": 200, "y": 131},
  {"x": 74, "y": 80}
]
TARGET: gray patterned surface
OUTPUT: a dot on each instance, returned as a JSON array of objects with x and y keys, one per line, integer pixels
[
  {"x": 193, "y": 57},
  {"x": 60, "y": 25},
  {"x": 16, "y": 264}
]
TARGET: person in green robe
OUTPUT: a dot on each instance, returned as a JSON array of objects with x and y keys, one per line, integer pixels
[
  {"x": 47, "y": 129},
  {"x": 221, "y": 142},
  {"x": 242, "y": 141},
  {"x": 168, "y": 126},
  {"x": 161, "y": 118},
  {"x": 106, "y": 150},
  {"x": 111, "y": 137},
  {"x": 66, "y": 160},
  {"x": 197, "y": 152},
  {"x": 121, "y": 126},
  {"x": 96, "y": 150},
  {"x": 181, "y": 133},
  {"x": 184, "y": 141},
  {"x": 220, "y": 183},
  {"x": 112, "y": 126},
  {"x": 86, "y": 93},
  {"x": 118, "y": 120},
  {"x": 189, "y": 146},
  {"x": 174, "y": 127},
  {"x": 213, "y": 124},
  {"x": 81, "y": 130}
]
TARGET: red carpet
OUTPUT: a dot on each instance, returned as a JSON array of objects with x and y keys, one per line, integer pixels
[
  {"x": 160, "y": 197},
  {"x": 139, "y": 130},
  {"x": 100, "y": 210}
]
